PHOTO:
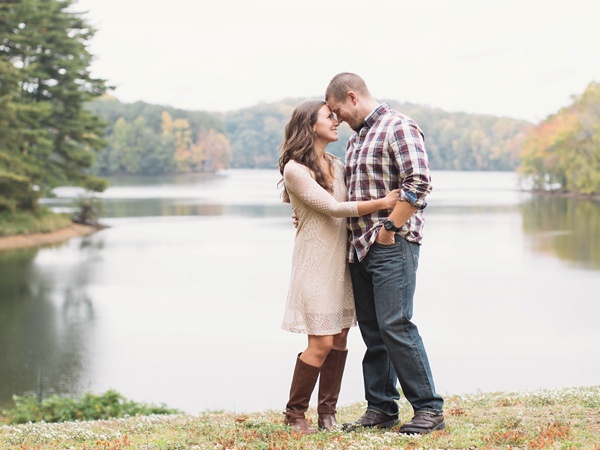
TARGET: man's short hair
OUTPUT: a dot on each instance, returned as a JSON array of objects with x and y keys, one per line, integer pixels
[{"x": 342, "y": 83}]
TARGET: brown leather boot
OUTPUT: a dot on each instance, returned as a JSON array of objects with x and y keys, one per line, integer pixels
[
  {"x": 303, "y": 384},
  {"x": 330, "y": 383}
]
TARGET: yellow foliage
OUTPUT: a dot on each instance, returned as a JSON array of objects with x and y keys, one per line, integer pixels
[{"x": 564, "y": 149}]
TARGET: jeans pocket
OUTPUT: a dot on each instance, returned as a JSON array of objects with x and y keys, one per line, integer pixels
[{"x": 414, "y": 250}]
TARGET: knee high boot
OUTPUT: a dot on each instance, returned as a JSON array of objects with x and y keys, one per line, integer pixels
[
  {"x": 330, "y": 383},
  {"x": 303, "y": 384}
]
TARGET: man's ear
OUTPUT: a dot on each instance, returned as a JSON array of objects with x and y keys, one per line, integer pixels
[{"x": 353, "y": 97}]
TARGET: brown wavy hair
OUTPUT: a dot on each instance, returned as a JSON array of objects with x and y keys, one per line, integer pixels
[{"x": 298, "y": 144}]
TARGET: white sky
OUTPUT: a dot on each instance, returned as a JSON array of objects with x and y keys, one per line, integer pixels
[{"x": 516, "y": 58}]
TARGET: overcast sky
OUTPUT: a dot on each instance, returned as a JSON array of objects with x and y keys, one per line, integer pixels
[{"x": 516, "y": 58}]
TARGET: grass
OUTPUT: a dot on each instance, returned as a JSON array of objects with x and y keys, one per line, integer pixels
[
  {"x": 42, "y": 221},
  {"x": 547, "y": 419}
]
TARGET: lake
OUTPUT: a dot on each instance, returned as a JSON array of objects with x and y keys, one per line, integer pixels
[{"x": 180, "y": 300}]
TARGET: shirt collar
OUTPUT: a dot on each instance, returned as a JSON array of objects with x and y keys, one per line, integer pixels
[{"x": 374, "y": 116}]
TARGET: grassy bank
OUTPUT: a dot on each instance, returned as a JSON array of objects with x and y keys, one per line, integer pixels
[
  {"x": 42, "y": 221},
  {"x": 546, "y": 419}
]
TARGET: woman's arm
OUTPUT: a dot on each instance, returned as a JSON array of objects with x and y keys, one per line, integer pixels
[
  {"x": 387, "y": 202},
  {"x": 298, "y": 180}
]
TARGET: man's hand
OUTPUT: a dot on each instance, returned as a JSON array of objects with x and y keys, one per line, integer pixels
[
  {"x": 385, "y": 237},
  {"x": 401, "y": 214},
  {"x": 295, "y": 220}
]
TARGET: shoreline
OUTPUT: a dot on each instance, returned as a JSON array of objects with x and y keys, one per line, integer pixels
[
  {"x": 53, "y": 237},
  {"x": 576, "y": 196}
]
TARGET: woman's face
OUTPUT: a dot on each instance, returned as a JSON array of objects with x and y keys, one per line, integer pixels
[{"x": 326, "y": 125}]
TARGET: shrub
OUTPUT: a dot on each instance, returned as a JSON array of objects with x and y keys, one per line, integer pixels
[
  {"x": 109, "y": 405},
  {"x": 88, "y": 210}
]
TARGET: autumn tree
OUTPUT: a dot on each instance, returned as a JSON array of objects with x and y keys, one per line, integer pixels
[
  {"x": 563, "y": 151},
  {"x": 186, "y": 153},
  {"x": 216, "y": 149}
]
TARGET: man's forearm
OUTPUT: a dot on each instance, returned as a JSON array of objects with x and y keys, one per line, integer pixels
[{"x": 402, "y": 213}]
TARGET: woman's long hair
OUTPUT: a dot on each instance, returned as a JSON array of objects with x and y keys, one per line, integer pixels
[{"x": 299, "y": 141}]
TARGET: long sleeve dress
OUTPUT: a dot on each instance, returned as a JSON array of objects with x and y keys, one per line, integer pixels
[{"x": 320, "y": 299}]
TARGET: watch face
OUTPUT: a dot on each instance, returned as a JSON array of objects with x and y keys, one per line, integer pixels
[{"x": 389, "y": 225}]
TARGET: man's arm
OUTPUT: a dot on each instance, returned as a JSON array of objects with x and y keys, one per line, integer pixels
[
  {"x": 408, "y": 146},
  {"x": 400, "y": 215}
]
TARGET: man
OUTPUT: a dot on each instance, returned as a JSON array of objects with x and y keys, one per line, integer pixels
[{"x": 387, "y": 152}]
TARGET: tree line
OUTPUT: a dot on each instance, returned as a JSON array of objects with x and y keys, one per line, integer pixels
[
  {"x": 560, "y": 153},
  {"x": 146, "y": 139},
  {"x": 58, "y": 127},
  {"x": 454, "y": 141},
  {"x": 151, "y": 139}
]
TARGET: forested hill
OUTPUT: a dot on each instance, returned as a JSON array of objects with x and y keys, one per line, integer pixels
[
  {"x": 455, "y": 141},
  {"x": 150, "y": 139},
  {"x": 461, "y": 141}
]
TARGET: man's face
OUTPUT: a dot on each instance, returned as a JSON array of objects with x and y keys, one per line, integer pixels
[{"x": 345, "y": 111}]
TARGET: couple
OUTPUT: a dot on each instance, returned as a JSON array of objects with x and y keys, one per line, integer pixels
[{"x": 381, "y": 190}]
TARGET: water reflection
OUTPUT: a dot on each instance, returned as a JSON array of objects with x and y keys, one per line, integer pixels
[
  {"x": 158, "y": 207},
  {"x": 171, "y": 207},
  {"x": 249, "y": 193},
  {"x": 46, "y": 317},
  {"x": 565, "y": 227}
]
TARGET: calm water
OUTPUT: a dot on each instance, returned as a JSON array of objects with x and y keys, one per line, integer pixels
[{"x": 180, "y": 300}]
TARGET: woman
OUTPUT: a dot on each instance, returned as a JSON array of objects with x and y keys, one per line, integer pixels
[{"x": 320, "y": 301}]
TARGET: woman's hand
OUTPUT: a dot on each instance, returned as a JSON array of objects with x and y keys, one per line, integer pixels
[{"x": 391, "y": 199}]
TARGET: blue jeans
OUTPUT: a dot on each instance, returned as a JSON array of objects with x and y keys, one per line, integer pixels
[{"x": 384, "y": 286}]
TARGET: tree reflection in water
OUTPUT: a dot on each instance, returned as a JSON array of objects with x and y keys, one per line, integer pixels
[
  {"x": 565, "y": 227},
  {"x": 45, "y": 321}
]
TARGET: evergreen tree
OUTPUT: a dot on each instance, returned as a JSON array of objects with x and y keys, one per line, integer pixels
[{"x": 47, "y": 137}]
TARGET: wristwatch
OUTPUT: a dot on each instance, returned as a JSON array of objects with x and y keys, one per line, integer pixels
[{"x": 390, "y": 226}]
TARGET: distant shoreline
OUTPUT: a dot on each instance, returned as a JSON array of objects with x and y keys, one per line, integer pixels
[
  {"x": 565, "y": 194},
  {"x": 53, "y": 237}
]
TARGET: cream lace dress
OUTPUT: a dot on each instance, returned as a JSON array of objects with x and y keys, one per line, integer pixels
[{"x": 320, "y": 299}]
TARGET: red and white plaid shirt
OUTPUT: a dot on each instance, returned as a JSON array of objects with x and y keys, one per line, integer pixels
[{"x": 387, "y": 153}]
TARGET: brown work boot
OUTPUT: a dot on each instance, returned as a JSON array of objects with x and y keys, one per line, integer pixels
[
  {"x": 424, "y": 422},
  {"x": 303, "y": 384},
  {"x": 372, "y": 419},
  {"x": 330, "y": 382}
]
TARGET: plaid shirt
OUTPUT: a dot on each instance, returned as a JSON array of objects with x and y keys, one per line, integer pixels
[{"x": 387, "y": 153}]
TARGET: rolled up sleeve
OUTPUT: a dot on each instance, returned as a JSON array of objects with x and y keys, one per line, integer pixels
[{"x": 408, "y": 145}]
